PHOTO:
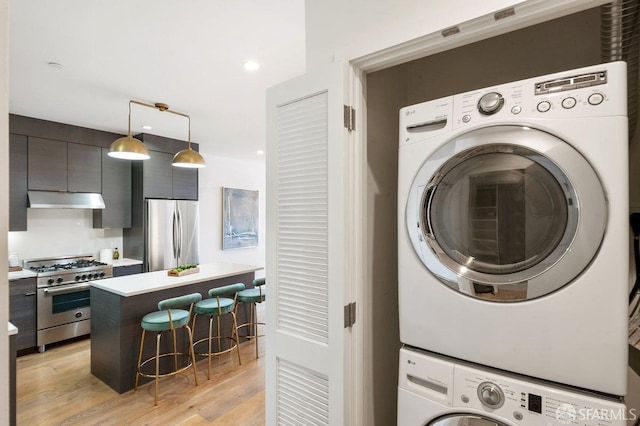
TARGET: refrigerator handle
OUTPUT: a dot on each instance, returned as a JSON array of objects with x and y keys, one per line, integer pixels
[
  {"x": 179, "y": 234},
  {"x": 175, "y": 232}
]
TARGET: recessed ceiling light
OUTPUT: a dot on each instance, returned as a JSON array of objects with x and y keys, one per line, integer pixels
[
  {"x": 147, "y": 127},
  {"x": 55, "y": 65},
  {"x": 259, "y": 152},
  {"x": 251, "y": 65}
]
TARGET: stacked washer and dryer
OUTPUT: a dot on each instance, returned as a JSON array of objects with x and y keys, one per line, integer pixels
[{"x": 512, "y": 245}]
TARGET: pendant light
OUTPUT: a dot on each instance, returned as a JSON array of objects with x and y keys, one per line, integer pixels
[
  {"x": 188, "y": 158},
  {"x": 132, "y": 149},
  {"x": 128, "y": 147}
]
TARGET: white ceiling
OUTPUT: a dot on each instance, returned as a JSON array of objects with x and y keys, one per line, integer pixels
[{"x": 187, "y": 54}]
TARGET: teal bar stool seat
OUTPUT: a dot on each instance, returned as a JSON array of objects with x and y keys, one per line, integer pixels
[
  {"x": 216, "y": 307},
  {"x": 169, "y": 317},
  {"x": 251, "y": 297}
]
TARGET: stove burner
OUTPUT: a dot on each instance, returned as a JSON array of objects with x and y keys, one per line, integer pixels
[{"x": 67, "y": 266}]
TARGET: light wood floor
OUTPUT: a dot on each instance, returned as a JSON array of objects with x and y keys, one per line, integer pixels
[{"x": 57, "y": 388}]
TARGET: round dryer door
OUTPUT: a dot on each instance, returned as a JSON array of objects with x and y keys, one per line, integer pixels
[
  {"x": 506, "y": 213},
  {"x": 465, "y": 420}
]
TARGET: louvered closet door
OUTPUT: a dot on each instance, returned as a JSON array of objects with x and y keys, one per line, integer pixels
[{"x": 305, "y": 251}]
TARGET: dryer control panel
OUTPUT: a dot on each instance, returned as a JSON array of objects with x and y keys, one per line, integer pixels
[
  {"x": 461, "y": 387},
  {"x": 586, "y": 92}
]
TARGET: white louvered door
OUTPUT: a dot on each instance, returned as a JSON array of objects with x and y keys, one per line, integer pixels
[{"x": 306, "y": 250}]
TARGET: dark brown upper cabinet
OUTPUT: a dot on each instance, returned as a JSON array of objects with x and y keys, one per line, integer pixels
[
  {"x": 116, "y": 192},
  {"x": 84, "y": 164},
  {"x": 47, "y": 165},
  {"x": 18, "y": 201},
  {"x": 61, "y": 166}
]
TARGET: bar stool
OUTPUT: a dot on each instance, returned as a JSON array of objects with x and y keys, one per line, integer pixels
[
  {"x": 215, "y": 307},
  {"x": 169, "y": 317},
  {"x": 253, "y": 296}
]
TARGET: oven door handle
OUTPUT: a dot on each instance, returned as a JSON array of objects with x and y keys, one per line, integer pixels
[{"x": 66, "y": 289}]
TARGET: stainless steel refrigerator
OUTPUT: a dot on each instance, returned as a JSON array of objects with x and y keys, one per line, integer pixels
[{"x": 171, "y": 234}]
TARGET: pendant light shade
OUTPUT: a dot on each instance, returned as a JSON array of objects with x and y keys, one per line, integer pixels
[
  {"x": 128, "y": 148},
  {"x": 188, "y": 158}
]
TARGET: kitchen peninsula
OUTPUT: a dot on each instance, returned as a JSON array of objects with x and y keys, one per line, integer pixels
[{"x": 118, "y": 305}]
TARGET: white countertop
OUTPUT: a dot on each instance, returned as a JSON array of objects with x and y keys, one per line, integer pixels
[
  {"x": 125, "y": 262},
  {"x": 12, "y": 329},
  {"x": 25, "y": 273},
  {"x": 148, "y": 282}
]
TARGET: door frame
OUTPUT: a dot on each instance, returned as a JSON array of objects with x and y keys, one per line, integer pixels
[{"x": 527, "y": 13}]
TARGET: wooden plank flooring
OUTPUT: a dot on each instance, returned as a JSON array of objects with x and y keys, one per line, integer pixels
[{"x": 57, "y": 388}]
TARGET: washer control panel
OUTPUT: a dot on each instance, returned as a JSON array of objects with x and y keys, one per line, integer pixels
[
  {"x": 530, "y": 402},
  {"x": 454, "y": 386},
  {"x": 585, "y": 92}
]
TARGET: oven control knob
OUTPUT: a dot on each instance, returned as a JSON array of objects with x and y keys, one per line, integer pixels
[
  {"x": 490, "y": 103},
  {"x": 59, "y": 280},
  {"x": 78, "y": 315},
  {"x": 490, "y": 395},
  {"x": 50, "y": 281},
  {"x": 101, "y": 274},
  {"x": 84, "y": 277},
  {"x": 78, "y": 277}
]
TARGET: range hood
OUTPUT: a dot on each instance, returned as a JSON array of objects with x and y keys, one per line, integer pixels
[{"x": 65, "y": 200}]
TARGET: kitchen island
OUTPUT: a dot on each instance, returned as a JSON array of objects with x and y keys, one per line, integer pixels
[{"x": 118, "y": 305}]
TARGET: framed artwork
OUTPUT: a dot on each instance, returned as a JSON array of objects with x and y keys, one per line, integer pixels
[{"x": 239, "y": 218}]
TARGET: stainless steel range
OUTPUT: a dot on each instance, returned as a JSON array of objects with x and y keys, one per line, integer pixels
[{"x": 63, "y": 295}]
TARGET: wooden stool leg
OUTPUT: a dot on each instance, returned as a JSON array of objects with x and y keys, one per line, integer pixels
[{"x": 139, "y": 360}]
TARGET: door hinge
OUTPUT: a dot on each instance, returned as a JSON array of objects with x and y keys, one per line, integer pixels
[
  {"x": 349, "y": 315},
  {"x": 349, "y": 118}
]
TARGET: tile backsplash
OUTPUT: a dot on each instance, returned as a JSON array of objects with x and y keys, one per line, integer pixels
[{"x": 61, "y": 232}]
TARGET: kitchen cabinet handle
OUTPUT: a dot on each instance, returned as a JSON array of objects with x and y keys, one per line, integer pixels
[{"x": 30, "y": 294}]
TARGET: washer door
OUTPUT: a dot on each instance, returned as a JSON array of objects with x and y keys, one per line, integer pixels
[
  {"x": 464, "y": 420},
  {"x": 506, "y": 213}
]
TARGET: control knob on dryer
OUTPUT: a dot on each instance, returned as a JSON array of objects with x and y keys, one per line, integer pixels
[{"x": 490, "y": 103}]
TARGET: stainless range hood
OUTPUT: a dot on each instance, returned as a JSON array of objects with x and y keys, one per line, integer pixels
[{"x": 65, "y": 200}]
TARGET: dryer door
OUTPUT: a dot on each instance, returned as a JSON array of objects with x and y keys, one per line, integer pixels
[
  {"x": 464, "y": 420},
  {"x": 506, "y": 213}
]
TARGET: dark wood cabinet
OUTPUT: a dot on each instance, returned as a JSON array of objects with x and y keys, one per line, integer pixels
[
  {"x": 157, "y": 175},
  {"x": 61, "y": 166},
  {"x": 185, "y": 183},
  {"x": 83, "y": 168},
  {"x": 116, "y": 192},
  {"x": 18, "y": 201},
  {"x": 121, "y": 271},
  {"x": 47, "y": 164},
  {"x": 162, "y": 180},
  {"x": 22, "y": 311}
]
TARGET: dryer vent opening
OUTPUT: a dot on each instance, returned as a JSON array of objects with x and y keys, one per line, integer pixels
[{"x": 620, "y": 28}]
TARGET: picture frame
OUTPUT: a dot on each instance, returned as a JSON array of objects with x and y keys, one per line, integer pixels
[{"x": 240, "y": 208}]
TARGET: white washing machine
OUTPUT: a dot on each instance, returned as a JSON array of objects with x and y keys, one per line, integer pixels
[
  {"x": 435, "y": 391},
  {"x": 513, "y": 227}
]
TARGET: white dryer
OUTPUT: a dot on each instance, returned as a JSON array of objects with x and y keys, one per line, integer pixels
[
  {"x": 435, "y": 391},
  {"x": 512, "y": 227}
]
